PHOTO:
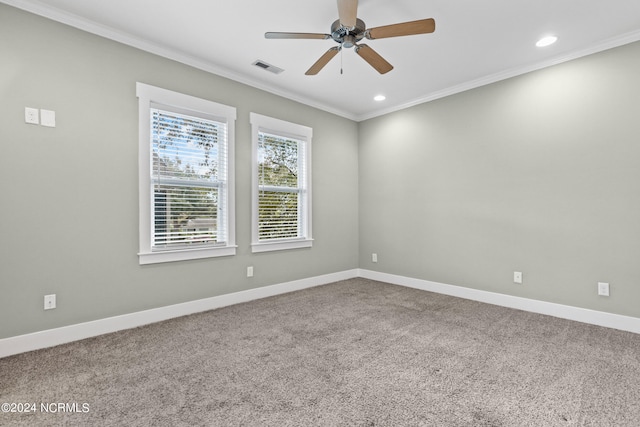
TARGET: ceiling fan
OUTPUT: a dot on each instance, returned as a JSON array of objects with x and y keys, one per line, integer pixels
[{"x": 348, "y": 30}]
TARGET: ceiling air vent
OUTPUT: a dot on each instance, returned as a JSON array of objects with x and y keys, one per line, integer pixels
[{"x": 268, "y": 67}]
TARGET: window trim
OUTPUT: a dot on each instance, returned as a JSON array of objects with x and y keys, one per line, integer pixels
[
  {"x": 148, "y": 97},
  {"x": 261, "y": 123}
]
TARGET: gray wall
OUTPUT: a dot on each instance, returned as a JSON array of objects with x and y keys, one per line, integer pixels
[
  {"x": 69, "y": 195},
  {"x": 539, "y": 174}
]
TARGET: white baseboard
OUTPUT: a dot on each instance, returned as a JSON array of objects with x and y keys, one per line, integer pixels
[
  {"x": 599, "y": 318},
  {"x": 52, "y": 337}
]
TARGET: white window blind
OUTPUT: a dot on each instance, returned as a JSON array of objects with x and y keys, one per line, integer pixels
[
  {"x": 188, "y": 179},
  {"x": 281, "y": 191}
]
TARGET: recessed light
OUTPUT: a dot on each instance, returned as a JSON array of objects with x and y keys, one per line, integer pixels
[
  {"x": 379, "y": 98},
  {"x": 546, "y": 41}
]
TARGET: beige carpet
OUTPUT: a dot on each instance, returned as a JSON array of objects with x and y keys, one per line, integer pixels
[{"x": 357, "y": 352}]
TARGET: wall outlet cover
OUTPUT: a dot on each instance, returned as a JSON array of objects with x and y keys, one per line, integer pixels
[
  {"x": 603, "y": 289},
  {"x": 50, "y": 302}
]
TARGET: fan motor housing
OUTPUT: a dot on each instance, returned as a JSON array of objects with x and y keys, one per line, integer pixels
[{"x": 348, "y": 37}]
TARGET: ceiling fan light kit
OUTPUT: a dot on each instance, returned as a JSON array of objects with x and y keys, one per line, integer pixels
[{"x": 348, "y": 31}]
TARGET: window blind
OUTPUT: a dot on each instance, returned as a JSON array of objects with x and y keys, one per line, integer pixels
[
  {"x": 189, "y": 157},
  {"x": 281, "y": 187}
]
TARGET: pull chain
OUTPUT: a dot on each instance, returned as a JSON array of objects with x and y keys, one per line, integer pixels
[{"x": 341, "y": 56}]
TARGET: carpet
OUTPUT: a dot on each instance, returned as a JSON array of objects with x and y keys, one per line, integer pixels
[{"x": 351, "y": 353}]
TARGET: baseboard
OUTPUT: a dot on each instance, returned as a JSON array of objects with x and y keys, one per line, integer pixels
[
  {"x": 53, "y": 337},
  {"x": 57, "y": 336},
  {"x": 599, "y": 318}
]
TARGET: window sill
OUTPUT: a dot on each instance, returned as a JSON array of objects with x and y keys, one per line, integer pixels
[
  {"x": 281, "y": 245},
  {"x": 185, "y": 254}
]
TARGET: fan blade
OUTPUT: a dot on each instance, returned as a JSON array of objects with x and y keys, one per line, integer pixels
[
  {"x": 318, "y": 36},
  {"x": 422, "y": 26},
  {"x": 348, "y": 12},
  {"x": 373, "y": 58},
  {"x": 324, "y": 60}
]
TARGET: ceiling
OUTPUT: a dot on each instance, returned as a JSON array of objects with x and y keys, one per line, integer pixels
[{"x": 475, "y": 42}]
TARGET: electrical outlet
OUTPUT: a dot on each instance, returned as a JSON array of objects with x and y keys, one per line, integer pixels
[
  {"x": 603, "y": 289},
  {"x": 374, "y": 257},
  {"x": 250, "y": 271},
  {"x": 517, "y": 277},
  {"x": 50, "y": 302}
]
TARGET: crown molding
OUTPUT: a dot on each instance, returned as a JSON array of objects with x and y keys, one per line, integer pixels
[
  {"x": 38, "y": 8},
  {"x": 93, "y": 27},
  {"x": 611, "y": 43}
]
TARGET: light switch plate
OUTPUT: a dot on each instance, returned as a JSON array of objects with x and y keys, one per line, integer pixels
[
  {"x": 48, "y": 118},
  {"x": 31, "y": 115}
]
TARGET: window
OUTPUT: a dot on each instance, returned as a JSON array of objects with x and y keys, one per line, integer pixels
[
  {"x": 186, "y": 183},
  {"x": 281, "y": 217}
]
